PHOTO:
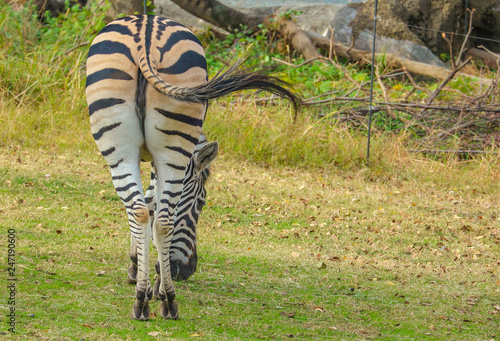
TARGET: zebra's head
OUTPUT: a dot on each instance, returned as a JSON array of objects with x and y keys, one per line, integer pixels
[{"x": 183, "y": 256}]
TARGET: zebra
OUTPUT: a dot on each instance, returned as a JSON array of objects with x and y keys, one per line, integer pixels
[{"x": 147, "y": 91}]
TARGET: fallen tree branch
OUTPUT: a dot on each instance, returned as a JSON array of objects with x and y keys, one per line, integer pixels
[
  {"x": 453, "y": 130},
  {"x": 441, "y": 86},
  {"x": 387, "y": 105},
  {"x": 489, "y": 58},
  {"x": 414, "y": 84},
  {"x": 394, "y": 61},
  {"x": 297, "y": 37},
  {"x": 458, "y": 151},
  {"x": 296, "y": 66}
]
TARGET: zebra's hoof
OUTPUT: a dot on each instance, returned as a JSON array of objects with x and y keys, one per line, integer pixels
[
  {"x": 132, "y": 274},
  {"x": 169, "y": 310},
  {"x": 140, "y": 311}
]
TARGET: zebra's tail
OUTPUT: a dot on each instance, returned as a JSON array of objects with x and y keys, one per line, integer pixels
[{"x": 231, "y": 80}]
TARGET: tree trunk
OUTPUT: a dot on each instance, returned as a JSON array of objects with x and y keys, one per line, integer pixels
[{"x": 219, "y": 14}]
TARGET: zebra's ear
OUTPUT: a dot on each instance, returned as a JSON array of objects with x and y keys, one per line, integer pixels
[{"x": 206, "y": 155}]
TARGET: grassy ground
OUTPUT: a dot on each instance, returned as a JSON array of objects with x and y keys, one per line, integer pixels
[{"x": 285, "y": 253}]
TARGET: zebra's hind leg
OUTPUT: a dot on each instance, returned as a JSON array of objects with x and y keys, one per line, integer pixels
[
  {"x": 151, "y": 205},
  {"x": 172, "y": 129},
  {"x": 127, "y": 181}
]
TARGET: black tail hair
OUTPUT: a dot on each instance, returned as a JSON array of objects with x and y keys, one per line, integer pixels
[{"x": 231, "y": 80}]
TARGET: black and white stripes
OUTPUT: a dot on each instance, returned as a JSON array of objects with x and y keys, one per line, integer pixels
[{"x": 147, "y": 92}]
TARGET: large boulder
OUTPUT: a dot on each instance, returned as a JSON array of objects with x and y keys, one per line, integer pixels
[{"x": 423, "y": 21}]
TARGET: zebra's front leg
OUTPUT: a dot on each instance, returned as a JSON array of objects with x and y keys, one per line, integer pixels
[
  {"x": 132, "y": 268},
  {"x": 169, "y": 190},
  {"x": 163, "y": 289}
]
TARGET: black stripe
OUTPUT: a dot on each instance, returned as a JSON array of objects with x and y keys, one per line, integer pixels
[
  {"x": 174, "y": 39},
  {"x": 185, "y": 208},
  {"x": 108, "y": 151},
  {"x": 174, "y": 166},
  {"x": 138, "y": 233},
  {"x": 181, "y": 212},
  {"x": 104, "y": 103},
  {"x": 180, "y": 151},
  {"x": 116, "y": 164},
  {"x": 108, "y": 73},
  {"x": 147, "y": 38},
  {"x": 172, "y": 194},
  {"x": 105, "y": 129},
  {"x": 160, "y": 27},
  {"x": 169, "y": 22},
  {"x": 185, "y": 241},
  {"x": 187, "y": 198},
  {"x": 186, "y": 61},
  {"x": 189, "y": 193},
  {"x": 166, "y": 202},
  {"x": 189, "y": 232},
  {"x": 118, "y": 28},
  {"x": 126, "y": 187},
  {"x": 180, "y": 118},
  {"x": 133, "y": 194},
  {"x": 181, "y": 250},
  {"x": 181, "y": 181},
  {"x": 180, "y": 134},
  {"x": 137, "y": 204},
  {"x": 121, "y": 177},
  {"x": 110, "y": 47},
  {"x": 138, "y": 20}
]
